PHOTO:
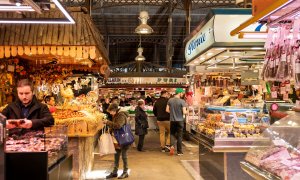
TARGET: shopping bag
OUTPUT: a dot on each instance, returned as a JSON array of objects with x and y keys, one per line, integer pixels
[
  {"x": 124, "y": 135},
  {"x": 106, "y": 144}
]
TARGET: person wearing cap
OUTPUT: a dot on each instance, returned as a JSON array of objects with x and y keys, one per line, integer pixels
[
  {"x": 163, "y": 120},
  {"x": 177, "y": 108}
]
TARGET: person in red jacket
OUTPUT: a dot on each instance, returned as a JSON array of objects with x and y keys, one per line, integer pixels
[
  {"x": 27, "y": 112},
  {"x": 50, "y": 101}
]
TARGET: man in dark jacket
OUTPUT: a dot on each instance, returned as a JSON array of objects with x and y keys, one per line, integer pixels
[
  {"x": 27, "y": 112},
  {"x": 163, "y": 120}
]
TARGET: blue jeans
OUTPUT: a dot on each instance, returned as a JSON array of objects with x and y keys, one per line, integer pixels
[
  {"x": 176, "y": 134},
  {"x": 123, "y": 150}
]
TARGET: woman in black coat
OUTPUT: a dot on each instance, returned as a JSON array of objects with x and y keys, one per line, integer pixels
[{"x": 141, "y": 123}]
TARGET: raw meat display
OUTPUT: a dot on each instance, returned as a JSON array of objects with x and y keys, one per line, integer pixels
[
  {"x": 37, "y": 141},
  {"x": 276, "y": 160}
]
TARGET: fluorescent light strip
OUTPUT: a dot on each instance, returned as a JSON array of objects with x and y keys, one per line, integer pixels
[
  {"x": 280, "y": 7},
  {"x": 16, "y": 8},
  {"x": 69, "y": 20},
  {"x": 253, "y": 35}
]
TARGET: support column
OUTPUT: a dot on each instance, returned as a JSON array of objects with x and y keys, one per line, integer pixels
[
  {"x": 187, "y": 8},
  {"x": 156, "y": 55},
  {"x": 169, "y": 47}
]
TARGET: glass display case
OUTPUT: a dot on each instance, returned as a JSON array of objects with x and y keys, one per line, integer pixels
[
  {"x": 220, "y": 127},
  {"x": 279, "y": 157},
  {"x": 53, "y": 140}
]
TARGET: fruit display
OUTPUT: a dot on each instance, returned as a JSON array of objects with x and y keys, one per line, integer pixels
[{"x": 80, "y": 123}]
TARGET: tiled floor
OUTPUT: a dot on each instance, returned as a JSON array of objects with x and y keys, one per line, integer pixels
[{"x": 153, "y": 164}]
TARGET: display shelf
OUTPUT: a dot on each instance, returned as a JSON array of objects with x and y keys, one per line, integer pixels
[
  {"x": 228, "y": 144},
  {"x": 53, "y": 142},
  {"x": 257, "y": 173}
]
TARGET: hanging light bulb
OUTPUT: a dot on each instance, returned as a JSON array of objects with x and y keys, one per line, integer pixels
[
  {"x": 140, "y": 50},
  {"x": 140, "y": 56},
  {"x": 144, "y": 28}
]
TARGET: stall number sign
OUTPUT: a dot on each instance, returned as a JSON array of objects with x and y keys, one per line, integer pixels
[{"x": 250, "y": 78}]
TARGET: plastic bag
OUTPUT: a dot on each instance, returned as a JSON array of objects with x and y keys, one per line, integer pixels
[{"x": 106, "y": 144}]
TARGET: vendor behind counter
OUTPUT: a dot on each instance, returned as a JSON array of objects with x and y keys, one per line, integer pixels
[{"x": 27, "y": 113}]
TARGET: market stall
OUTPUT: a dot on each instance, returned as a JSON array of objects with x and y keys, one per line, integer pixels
[
  {"x": 226, "y": 106},
  {"x": 141, "y": 80},
  {"x": 129, "y": 97},
  {"x": 278, "y": 157},
  {"x": 64, "y": 61}
]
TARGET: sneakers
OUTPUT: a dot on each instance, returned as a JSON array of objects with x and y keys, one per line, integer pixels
[
  {"x": 172, "y": 149},
  {"x": 112, "y": 175},
  {"x": 167, "y": 148},
  {"x": 123, "y": 175},
  {"x": 179, "y": 154},
  {"x": 163, "y": 149}
]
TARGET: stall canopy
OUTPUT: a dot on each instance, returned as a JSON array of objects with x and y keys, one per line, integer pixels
[
  {"x": 210, "y": 44},
  {"x": 80, "y": 43}
]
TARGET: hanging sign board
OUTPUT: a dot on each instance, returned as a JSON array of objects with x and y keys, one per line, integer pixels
[
  {"x": 145, "y": 80},
  {"x": 216, "y": 32},
  {"x": 201, "y": 41},
  {"x": 250, "y": 78}
]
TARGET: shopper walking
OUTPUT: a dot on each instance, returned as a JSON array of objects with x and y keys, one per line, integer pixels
[
  {"x": 141, "y": 123},
  {"x": 119, "y": 118},
  {"x": 163, "y": 120},
  {"x": 177, "y": 108}
]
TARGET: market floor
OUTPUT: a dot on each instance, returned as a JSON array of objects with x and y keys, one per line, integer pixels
[{"x": 152, "y": 164}]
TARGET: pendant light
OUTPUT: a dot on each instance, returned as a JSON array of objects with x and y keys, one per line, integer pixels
[
  {"x": 144, "y": 28},
  {"x": 140, "y": 50}
]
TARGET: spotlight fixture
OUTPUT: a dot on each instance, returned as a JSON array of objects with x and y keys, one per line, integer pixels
[{"x": 144, "y": 28}]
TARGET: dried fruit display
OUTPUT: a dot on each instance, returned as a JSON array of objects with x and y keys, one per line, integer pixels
[{"x": 80, "y": 123}]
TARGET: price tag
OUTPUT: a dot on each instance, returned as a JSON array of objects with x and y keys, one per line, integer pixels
[
  {"x": 285, "y": 96},
  {"x": 297, "y": 103},
  {"x": 282, "y": 90},
  {"x": 274, "y": 94},
  {"x": 223, "y": 115},
  {"x": 234, "y": 117},
  {"x": 288, "y": 87}
]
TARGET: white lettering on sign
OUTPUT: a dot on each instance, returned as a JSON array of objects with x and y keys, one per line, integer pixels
[
  {"x": 195, "y": 43},
  {"x": 201, "y": 41}
]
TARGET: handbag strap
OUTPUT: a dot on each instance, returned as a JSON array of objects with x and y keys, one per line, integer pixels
[{"x": 103, "y": 129}]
